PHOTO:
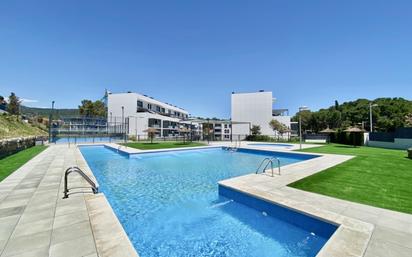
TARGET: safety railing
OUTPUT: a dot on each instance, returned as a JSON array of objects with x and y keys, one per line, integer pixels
[
  {"x": 267, "y": 161},
  {"x": 69, "y": 170}
]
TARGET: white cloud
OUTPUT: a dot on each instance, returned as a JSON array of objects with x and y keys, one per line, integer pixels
[{"x": 25, "y": 100}]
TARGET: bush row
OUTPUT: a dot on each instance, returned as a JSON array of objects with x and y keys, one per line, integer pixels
[{"x": 347, "y": 138}]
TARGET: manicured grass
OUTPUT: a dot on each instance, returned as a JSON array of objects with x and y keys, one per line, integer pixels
[
  {"x": 11, "y": 163},
  {"x": 161, "y": 145},
  {"x": 376, "y": 176}
]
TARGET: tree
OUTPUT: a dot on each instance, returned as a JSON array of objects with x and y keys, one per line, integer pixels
[
  {"x": 2, "y": 103},
  {"x": 388, "y": 115},
  {"x": 255, "y": 130},
  {"x": 14, "y": 104},
  {"x": 408, "y": 120},
  {"x": 278, "y": 126},
  {"x": 90, "y": 108},
  {"x": 336, "y": 105}
]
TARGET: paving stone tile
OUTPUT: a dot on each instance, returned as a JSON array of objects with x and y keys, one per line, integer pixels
[
  {"x": 33, "y": 227},
  {"x": 70, "y": 219},
  {"x": 27, "y": 243},
  {"x": 392, "y": 236},
  {"x": 5, "y": 212},
  {"x": 42, "y": 252},
  {"x": 71, "y": 232},
  {"x": 40, "y": 214},
  {"x": 378, "y": 248},
  {"x": 7, "y": 226},
  {"x": 82, "y": 246},
  {"x": 92, "y": 255},
  {"x": 2, "y": 244}
]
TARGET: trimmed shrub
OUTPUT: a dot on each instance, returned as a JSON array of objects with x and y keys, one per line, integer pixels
[
  {"x": 410, "y": 153},
  {"x": 347, "y": 138}
]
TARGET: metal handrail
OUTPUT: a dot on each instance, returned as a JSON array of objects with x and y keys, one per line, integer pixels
[
  {"x": 69, "y": 170},
  {"x": 269, "y": 161}
]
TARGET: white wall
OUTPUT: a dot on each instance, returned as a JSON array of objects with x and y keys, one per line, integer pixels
[
  {"x": 255, "y": 108},
  {"x": 252, "y": 107}
]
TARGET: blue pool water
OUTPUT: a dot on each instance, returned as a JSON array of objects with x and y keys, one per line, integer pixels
[
  {"x": 274, "y": 145},
  {"x": 168, "y": 204}
]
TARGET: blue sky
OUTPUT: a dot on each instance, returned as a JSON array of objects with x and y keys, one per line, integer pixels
[{"x": 195, "y": 53}]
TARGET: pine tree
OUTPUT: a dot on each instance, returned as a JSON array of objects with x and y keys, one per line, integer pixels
[{"x": 14, "y": 104}]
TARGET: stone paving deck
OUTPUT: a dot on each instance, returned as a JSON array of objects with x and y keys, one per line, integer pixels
[{"x": 36, "y": 221}]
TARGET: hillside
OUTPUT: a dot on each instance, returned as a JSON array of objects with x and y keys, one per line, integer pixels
[
  {"x": 388, "y": 114},
  {"x": 11, "y": 127},
  {"x": 45, "y": 112}
]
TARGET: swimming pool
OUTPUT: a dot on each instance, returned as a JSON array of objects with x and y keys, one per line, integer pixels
[
  {"x": 79, "y": 140},
  {"x": 274, "y": 145},
  {"x": 169, "y": 205}
]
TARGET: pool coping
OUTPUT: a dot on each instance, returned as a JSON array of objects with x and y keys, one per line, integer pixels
[
  {"x": 352, "y": 236},
  {"x": 350, "y": 239},
  {"x": 110, "y": 237}
]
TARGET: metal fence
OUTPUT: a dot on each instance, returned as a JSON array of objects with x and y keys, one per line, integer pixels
[
  {"x": 390, "y": 136},
  {"x": 83, "y": 129}
]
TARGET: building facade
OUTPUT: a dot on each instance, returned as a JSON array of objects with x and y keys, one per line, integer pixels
[
  {"x": 256, "y": 109},
  {"x": 141, "y": 112}
]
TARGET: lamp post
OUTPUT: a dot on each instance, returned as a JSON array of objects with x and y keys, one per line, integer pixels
[
  {"x": 302, "y": 108},
  {"x": 123, "y": 122},
  {"x": 208, "y": 132},
  {"x": 50, "y": 120},
  {"x": 370, "y": 115}
]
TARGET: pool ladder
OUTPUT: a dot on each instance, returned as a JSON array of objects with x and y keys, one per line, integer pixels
[
  {"x": 76, "y": 169},
  {"x": 268, "y": 161},
  {"x": 234, "y": 147}
]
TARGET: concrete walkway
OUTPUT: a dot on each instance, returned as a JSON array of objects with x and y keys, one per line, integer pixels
[{"x": 36, "y": 221}]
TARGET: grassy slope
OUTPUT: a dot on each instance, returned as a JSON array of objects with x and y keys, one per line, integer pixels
[
  {"x": 161, "y": 145},
  {"x": 10, "y": 127},
  {"x": 11, "y": 163},
  {"x": 376, "y": 176}
]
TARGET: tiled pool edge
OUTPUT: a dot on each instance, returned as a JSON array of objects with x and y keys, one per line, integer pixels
[
  {"x": 110, "y": 237},
  {"x": 350, "y": 239}
]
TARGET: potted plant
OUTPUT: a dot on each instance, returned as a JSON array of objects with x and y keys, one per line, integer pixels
[{"x": 410, "y": 153}]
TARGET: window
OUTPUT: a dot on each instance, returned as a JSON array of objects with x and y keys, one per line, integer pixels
[
  {"x": 149, "y": 106},
  {"x": 139, "y": 104},
  {"x": 225, "y": 125},
  {"x": 227, "y": 131},
  {"x": 157, "y": 108},
  {"x": 163, "y": 110}
]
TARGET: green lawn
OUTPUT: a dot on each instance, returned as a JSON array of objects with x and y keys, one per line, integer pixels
[
  {"x": 161, "y": 145},
  {"x": 11, "y": 163},
  {"x": 376, "y": 176}
]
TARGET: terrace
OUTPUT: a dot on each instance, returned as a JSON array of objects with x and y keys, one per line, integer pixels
[{"x": 36, "y": 220}]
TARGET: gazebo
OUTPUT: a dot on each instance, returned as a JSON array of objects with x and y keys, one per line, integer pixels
[
  {"x": 184, "y": 131},
  {"x": 151, "y": 132},
  {"x": 353, "y": 131},
  {"x": 327, "y": 131}
]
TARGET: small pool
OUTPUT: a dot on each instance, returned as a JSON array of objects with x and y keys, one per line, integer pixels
[
  {"x": 79, "y": 140},
  {"x": 274, "y": 145},
  {"x": 169, "y": 204}
]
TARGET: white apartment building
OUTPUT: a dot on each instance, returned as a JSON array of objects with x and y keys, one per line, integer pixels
[
  {"x": 257, "y": 109},
  {"x": 141, "y": 112}
]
